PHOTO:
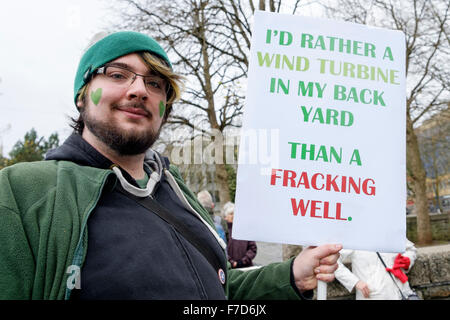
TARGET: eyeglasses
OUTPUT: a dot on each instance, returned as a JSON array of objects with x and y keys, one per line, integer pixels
[{"x": 124, "y": 77}]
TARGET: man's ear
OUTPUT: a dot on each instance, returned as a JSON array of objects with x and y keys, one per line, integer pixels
[{"x": 80, "y": 103}]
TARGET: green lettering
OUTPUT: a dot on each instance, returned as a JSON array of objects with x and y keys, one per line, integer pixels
[
  {"x": 357, "y": 47},
  {"x": 362, "y": 96},
  {"x": 349, "y": 70},
  {"x": 318, "y": 115},
  {"x": 388, "y": 54},
  {"x": 288, "y": 63},
  {"x": 320, "y": 43},
  {"x": 310, "y": 151},
  {"x": 268, "y": 35},
  {"x": 294, "y": 149},
  {"x": 332, "y": 114},
  {"x": 272, "y": 85},
  {"x": 288, "y": 38},
  {"x": 362, "y": 71},
  {"x": 378, "y": 98},
  {"x": 305, "y": 91},
  {"x": 339, "y": 92},
  {"x": 322, "y": 65},
  {"x": 369, "y": 48},
  {"x": 322, "y": 154},
  {"x": 306, "y": 113},
  {"x": 343, "y": 118},
  {"x": 267, "y": 60},
  {"x": 355, "y": 157},
  {"x": 320, "y": 89},
  {"x": 352, "y": 94},
  {"x": 335, "y": 155},
  {"x": 306, "y": 40},
  {"x": 392, "y": 76},
  {"x": 299, "y": 64}
]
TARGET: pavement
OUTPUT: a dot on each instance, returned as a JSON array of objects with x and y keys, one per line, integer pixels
[{"x": 434, "y": 249}]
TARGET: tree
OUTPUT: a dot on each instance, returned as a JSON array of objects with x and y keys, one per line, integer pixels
[
  {"x": 208, "y": 42},
  {"x": 32, "y": 148},
  {"x": 425, "y": 24},
  {"x": 231, "y": 180},
  {"x": 434, "y": 144}
]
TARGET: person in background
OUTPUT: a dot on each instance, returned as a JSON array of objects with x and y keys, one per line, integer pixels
[
  {"x": 370, "y": 277},
  {"x": 240, "y": 252},
  {"x": 205, "y": 198}
]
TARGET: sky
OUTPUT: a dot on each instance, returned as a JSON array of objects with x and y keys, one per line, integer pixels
[{"x": 41, "y": 45}]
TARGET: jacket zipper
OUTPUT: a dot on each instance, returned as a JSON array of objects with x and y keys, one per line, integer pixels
[{"x": 78, "y": 255}]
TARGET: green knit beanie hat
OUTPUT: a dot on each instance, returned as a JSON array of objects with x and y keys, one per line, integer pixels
[{"x": 112, "y": 47}]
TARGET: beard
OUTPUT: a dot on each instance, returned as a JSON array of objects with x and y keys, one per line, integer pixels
[{"x": 124, "y": 142}]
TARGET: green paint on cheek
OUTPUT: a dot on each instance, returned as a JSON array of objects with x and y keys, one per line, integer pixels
[
  {"x": 162, "y": 108},
  {"x": 96, "y": 95}
]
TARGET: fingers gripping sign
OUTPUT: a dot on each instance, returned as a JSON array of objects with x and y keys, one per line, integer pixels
[{"x": 315, "y": 263}]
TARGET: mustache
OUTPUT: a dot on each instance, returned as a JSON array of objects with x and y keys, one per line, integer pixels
[{"x": 133, "y": 105}]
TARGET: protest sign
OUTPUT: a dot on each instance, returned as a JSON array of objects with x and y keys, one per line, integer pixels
[{"x": 333, "y": 95}]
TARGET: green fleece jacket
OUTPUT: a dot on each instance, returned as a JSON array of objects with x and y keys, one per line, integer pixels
[{"x": 44, "y": 208}]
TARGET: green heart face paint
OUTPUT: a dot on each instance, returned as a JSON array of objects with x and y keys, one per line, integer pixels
[
  {"x": 96, "y": 95},
  {"x": 162, "y": 109}
]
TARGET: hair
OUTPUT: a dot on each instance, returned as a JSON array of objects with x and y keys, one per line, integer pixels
[
  {"x": 205, "y": 198},
  {"x": 228, "y": 208},
  {"x": 161, "y": 68}
]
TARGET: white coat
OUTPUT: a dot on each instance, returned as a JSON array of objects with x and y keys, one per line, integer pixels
[{"x": 366, "y": 266}]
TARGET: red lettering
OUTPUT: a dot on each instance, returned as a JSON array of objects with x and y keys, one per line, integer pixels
[
  {"x": 332, "y": 183},
  {"x": 321, "y": 181},
  {"x": 369, "y": 191},
  {"x": 314, "y": 207},
  {"x": 326, "y": 206},
  {"x": 338, "y": 212},
  {"x": 274, "y": 176},
  {"x": 314, "y": 181},
  {"x": 300, "y": 206},
  {"x": 289, "y": 175},
  {"x": 303, "y": 180},
  {"x": 344, "y": 184},
  {"x": 356, "y": 188}
]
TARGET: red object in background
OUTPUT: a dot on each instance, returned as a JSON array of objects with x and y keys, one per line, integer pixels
[{"x": 400, "y": 262}]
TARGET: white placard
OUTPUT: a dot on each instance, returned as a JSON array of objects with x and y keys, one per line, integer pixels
[{"x": 322, "y": 152}]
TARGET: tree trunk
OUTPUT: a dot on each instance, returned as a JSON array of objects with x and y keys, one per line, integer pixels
[
  {"x": 437, "y": 180},
  {"x": 221, "y": 172},
  {"x": 222, "y": 184},
  {"x": 418, "y": 179}
]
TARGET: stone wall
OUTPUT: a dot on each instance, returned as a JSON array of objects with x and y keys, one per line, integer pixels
[
  {"x": 429, "y": 276},
  {"x": 440, "y": 227}
]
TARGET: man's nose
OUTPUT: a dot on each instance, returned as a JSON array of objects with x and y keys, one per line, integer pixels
[{"x": 137, "y": 88}]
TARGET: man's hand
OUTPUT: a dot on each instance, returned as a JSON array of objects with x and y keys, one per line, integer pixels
[
  {"x": 363, "y": 287},
  {"x": 315, "y": 263}
]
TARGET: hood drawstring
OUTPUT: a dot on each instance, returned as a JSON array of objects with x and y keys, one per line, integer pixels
[
  {"x": 152, "y": 181},
  {"x": 151, "y": 160}
]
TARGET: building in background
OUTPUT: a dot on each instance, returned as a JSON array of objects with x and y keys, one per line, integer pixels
[
  {"x": 434, "y": 144},
  {"x": 197, "y": 172}
]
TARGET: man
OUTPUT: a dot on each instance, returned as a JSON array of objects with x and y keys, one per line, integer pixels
[{"x": 74, "y": 226}]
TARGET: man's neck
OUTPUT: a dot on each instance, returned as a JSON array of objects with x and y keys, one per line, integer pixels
[{"x": 133, "y": 164}]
